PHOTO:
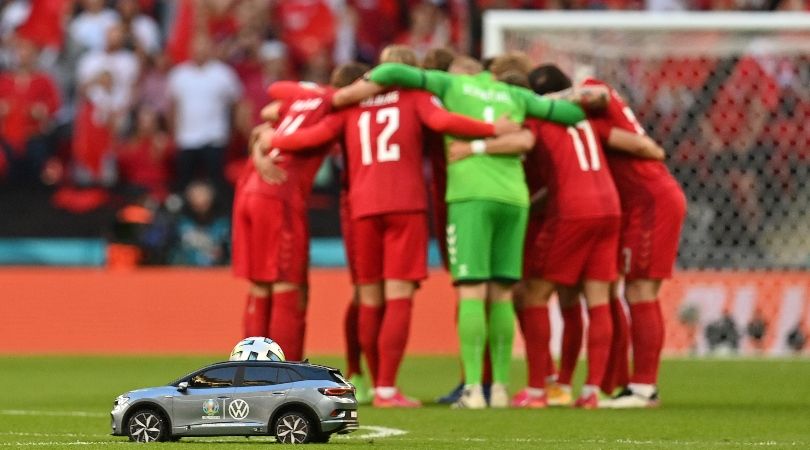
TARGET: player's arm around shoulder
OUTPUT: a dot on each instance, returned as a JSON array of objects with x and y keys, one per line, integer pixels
[
  {"x": 541, "y": 107},
  {"x": 432, "y": 113},
  {"x": 403, "y": 75},
  {"x": 326, "y": 130},
  {"x": 591, "y": 98},
  {"x": 508, "y": 144},
  {"x": 356, "y": 93},
  {"x": 635, "y": 144},
  {"x": 288, "y": 90}
]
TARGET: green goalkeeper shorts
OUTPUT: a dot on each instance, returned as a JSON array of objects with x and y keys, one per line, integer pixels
[{"x": 485, "y": 240}]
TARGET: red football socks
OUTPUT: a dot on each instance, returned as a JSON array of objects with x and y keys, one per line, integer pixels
[
  {"x": 352, "y": 340},
  {"x": 571, "y": 342},
  {"x": 537, "y": 335},
  {"x": 647, "y": 330},
  {"x": 256, "y": 316},
  {"x": 288, "y": 323},
  {"x": 617, "y": 372},
  {"x": 600, "y": 331},
  {"x": 369, "y": 321},
  {"x": 396, "y": 325}
]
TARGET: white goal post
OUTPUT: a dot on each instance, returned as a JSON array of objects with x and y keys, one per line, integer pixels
[
  {"x": 496, "y": 22},
  {"x": 728, "y": 97}
]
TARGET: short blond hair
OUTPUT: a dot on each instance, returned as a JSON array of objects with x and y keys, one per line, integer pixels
[
  {"x": 465, "y": 65},
  {"x": 439, "y": 58},
  {"x": 513, "y": 61},
  {"x": 396, "y": 53}
]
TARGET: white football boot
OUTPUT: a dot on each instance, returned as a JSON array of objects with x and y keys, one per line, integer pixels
[
  {"x": 471, "y": 398},
  {"x": 498, "y": 396}
]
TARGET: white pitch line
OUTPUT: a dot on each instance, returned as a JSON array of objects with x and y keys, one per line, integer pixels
[
  {"x": 627, "y": 442},
  {"x": 19, "y": 433},
  {"x": 27, "y": 412},
  {"x": 61, "y": 443},
  {"x": 363, "y": 432},
  {"x": 375, "y": 432}
]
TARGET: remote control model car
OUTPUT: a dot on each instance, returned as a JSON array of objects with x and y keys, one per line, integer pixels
[{"x": 296, "y": 402}]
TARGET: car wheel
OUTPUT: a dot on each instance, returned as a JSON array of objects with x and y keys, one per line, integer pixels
[
  {"x": 294, "y": 427},
  {"x": 146, "y": 425}
]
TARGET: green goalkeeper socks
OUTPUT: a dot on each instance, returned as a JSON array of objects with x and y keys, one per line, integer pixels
[
  {"x": 472, "y": 335},
  {"x": 501, "y": 335}
]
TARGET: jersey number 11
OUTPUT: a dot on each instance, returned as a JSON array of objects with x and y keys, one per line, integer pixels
[{"x": 584, "y": 128}]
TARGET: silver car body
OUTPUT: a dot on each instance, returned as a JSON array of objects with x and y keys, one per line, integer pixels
[{"x": 244, "y": 408}]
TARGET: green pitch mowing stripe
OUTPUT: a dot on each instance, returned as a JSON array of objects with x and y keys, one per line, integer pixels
[{"x": 61, "y": 402}]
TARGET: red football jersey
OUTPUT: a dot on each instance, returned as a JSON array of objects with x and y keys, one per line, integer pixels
[
  {"x": 383, "y": 138},
  {"x": 301, "y": 166},
  {"x": 630, "y": 173},
  {"x": 569, "y": 161}
]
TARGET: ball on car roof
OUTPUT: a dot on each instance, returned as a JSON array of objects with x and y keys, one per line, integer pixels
[{"x": 257, "y": 348}]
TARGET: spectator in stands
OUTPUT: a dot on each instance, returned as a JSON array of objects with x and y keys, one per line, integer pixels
[
  {"x": 115, "y": 58},
  {"x": 377, "y": 22},
  {"x": 88, "y": 29},
  {"x": 515, "y": 4},
  {"x": 152, "y": 89},
  {"x": 142, "y": 31},
  {"x": 145, "y": 159},
  {"x": 203, "y": 236},
  {"x": 429, "y": 28},
  {"x": 203, "y": 91},
  {"x": 106, "y": 79},
  {"x": 45, "y": 27},
  {"x": 99, "y": 116},
  {"x": 308, "y": 29},
  {"x": 259, "y": 64},
  {"x": 29, "y": 100}
]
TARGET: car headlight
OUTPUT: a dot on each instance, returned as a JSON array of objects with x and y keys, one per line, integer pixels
[{"x": 120, "y": 401}]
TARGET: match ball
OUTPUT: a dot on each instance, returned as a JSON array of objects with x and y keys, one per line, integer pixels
[{"x": 257, "y": 348}]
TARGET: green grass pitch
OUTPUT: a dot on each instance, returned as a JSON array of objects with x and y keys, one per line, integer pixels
[{"x": 62, "y": 402}]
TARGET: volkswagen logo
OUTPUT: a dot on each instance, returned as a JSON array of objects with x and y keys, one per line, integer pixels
[{"x": 238, "y": 409}]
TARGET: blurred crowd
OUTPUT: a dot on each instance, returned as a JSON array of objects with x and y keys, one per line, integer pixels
[{"x": 155, "y": 98}]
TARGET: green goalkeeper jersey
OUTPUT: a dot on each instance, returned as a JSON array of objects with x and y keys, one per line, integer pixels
[{"x": 488, "y": 177}]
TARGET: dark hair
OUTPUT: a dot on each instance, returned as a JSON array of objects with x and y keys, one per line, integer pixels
[
  {"x": 547, "y": 78},
  {"x": 346, "y": 74}
]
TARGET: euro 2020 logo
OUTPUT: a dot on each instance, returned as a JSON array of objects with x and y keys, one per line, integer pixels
[{"x": 210, "y": 407}]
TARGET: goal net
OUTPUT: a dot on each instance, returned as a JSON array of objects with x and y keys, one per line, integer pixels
[{"x": 728, "y": 96}]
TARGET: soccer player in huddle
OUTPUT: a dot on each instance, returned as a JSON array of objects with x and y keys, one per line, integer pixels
[
  {"x": 653, "y": 209},
  {"x": 388, "y": 203},
  {"x": 270, "y": 233},
  {"x": 574, "y": 241},
  {"x": 488, "y": 203}
]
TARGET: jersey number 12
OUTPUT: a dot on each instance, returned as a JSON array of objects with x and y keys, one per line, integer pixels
[{"x": 385, "y": 151}]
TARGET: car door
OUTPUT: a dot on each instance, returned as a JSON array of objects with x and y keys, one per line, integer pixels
[
  {"x": 263, "y": 388},
  {"x": 200, "y": 409}
]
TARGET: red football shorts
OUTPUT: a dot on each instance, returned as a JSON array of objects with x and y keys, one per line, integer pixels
[
  {"x": 348, "y": 238},
  {"x": 390, "y": 247},
  {"x": 270, "y": 240},
  {"x": 567, "y": 251},
  {"x": 651, "y": 230}
]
